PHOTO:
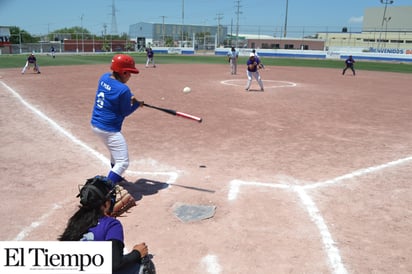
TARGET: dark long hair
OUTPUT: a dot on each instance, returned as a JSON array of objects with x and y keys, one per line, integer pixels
[
  {"x": 80, "y": 222},
  {"x": 93, "y": 195}
]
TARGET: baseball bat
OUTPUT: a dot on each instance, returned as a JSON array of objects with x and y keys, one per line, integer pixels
[{"x": 175, "y": 113}]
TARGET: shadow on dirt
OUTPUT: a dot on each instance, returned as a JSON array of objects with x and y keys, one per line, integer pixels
[
  {"x": 146, "y": 187},
  {"x": 143, "y": 187}
]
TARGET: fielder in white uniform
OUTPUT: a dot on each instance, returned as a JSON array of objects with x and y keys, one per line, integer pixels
[{"x": 233, "y": 55}]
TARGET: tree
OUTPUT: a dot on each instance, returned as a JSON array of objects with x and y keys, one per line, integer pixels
[
  {"x": 106, "y": 46},
  {"x": 18, "y": 36},
  {"x": 169, "y": 42},
  {"x": 129, "y": 46},
  {"x": 69, "y": 33}
]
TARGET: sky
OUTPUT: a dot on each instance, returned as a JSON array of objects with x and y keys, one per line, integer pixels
[{"x": 252, "y": 16}]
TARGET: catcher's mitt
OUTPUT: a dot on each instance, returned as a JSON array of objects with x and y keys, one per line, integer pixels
[
  {"x": 147, "y": 266},
  {"x": 124, "y": 201}
]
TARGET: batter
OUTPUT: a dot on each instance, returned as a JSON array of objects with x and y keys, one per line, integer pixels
[{"x": 113, "y": 103}]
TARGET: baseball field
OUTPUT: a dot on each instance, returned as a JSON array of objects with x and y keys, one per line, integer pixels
[{"x": 310, "y": 176}]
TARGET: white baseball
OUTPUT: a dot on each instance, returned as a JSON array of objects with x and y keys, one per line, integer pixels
[{"x": 187, "y": 90}]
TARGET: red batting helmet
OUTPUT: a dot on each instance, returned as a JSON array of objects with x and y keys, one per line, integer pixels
[{"x": 122, "y": 63}]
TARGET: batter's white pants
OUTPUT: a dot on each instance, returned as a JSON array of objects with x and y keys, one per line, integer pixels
[
  {"x": 256, "y": 75},
  {"x": 116, "y": 143}
]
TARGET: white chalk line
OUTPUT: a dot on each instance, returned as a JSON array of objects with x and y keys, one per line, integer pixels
[
  {"x": 211, "y": 263},
  {"x": 358, "y": 173},
  {"x": 27, "y": 230},
  {"x": 276, "y": 83},
  {"x": 329, "y": 244},
  {"x": 172, "y": 176}
]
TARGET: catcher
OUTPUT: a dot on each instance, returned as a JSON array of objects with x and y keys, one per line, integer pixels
[
  {"x": 92, "y": 222},
  {"x": 31, "y": 61}
]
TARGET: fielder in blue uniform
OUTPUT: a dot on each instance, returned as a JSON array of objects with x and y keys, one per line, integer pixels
[
  {"x": 150, "y": 57},
  {"x": 349, "y": 64},
  {"x": 31, "y": 61},
  {"x": 113, "y": 103}
]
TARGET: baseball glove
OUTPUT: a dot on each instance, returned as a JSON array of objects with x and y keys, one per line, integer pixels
[
  {"x": 124, "y": 201},
  {"x": 147, "y": 266}
]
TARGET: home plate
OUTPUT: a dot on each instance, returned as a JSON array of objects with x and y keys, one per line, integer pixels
[{"x": 192, "y": 213}]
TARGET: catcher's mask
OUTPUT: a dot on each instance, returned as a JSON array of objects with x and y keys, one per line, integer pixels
[{"x": 96, "y": 192}]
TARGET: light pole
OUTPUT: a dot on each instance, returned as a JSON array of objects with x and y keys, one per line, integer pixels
[
  {"x": 81, "y": 26},
  {"x": 20, "y": 42},
  {"x": 183, "y": 21},
  {"x": 386, "y": 2},
  {"x": 286, "y": 19},
  {"x": 387, "y": 19},
  {"x": 163, "y": 30}
]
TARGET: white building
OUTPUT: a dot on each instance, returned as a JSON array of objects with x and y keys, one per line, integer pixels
[{"x": 386, "y": 31}]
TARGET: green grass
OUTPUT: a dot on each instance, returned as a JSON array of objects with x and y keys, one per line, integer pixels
[{"x": 14, "y": 61}]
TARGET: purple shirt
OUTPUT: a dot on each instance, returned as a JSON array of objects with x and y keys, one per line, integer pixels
[
  {"x": 150, "y": 53},
  {"x": 251, "y": 61},
  {"x": 31, "y": 59},
  {"x": 107, "y": 229}
]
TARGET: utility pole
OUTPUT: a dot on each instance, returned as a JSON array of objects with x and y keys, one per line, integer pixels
[
  {"x": 183, "y": 21},
  {"x": 218, "y": 18},
  {"x": 104, "y": 34},
  {"x": 286, "y": 19},
  {"x": 386, "y": 2},
  {"x": 114, "y": 21},
  {"x": 238, "y": 12},
  {"x": 163, "y": 30},
  {"x": 81, "y": 28},
  {"x": 387, "y": 19}
]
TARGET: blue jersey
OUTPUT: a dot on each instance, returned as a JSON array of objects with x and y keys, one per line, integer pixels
[
  {"x": 349, "y": 62},
  {"x": 112, "y": 104},
  {"x": 31, "y": 59},
  {"x": 107, "y": 229}
]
